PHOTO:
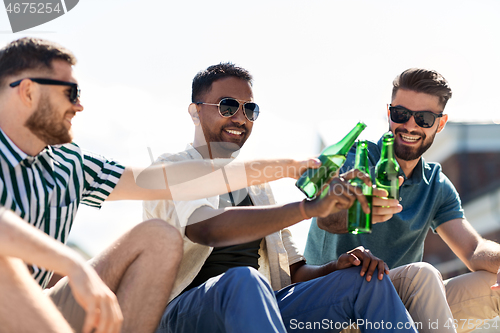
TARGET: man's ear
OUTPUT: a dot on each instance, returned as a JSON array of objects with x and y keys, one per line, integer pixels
[
  {"x": 193, "y": 112},
  {"x": 27, "y": 92},
  {"x": 442, "y": 123}
]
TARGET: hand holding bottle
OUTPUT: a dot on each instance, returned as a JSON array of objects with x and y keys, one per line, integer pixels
[
  {"x": 384, "y": 208},
  {"x": 332, "y": 158},
  {"x": 340, "y": 195},
  {"x": 298, "y": 167}
]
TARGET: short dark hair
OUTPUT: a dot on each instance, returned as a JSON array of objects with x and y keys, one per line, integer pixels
[
  {"x": 424, "y": 81},
  {"x": 202, "y": 82},
  {"x": 31, "y": 53}
]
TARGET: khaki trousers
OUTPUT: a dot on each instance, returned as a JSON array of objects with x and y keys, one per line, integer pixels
[
  {"x": 63, "y": 298},
  {"x": 459, "y": 304}
]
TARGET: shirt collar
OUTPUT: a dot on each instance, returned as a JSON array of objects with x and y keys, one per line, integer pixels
[
  {"x": 10, "y": 152},
  {"x": 14, "y": 155},
  {"x": 193, "y": 153}
]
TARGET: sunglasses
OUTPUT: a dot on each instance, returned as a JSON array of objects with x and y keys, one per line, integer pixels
[
  {"x": 74, "y": 93},
  {"x": 229, "y": 106},
  {"x": 424, "y": 119}
]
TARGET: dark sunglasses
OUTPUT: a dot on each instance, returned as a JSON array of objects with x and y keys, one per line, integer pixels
[
  {"x": 74, "y": 93},
  {"x": 423, "y": 119},
  {"x": 229, "y": 106}
]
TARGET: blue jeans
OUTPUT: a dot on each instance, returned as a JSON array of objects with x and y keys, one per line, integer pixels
[{"x": 241, "y": 300}]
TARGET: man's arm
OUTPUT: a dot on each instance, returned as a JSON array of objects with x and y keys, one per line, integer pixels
[
  {"x": 19, "y": 239},
  {"x": 301, "y": 271},
  {"x": 476, "y": 252},
  {"x": 195, "y": 179},
  {"x": 236, "y": 225}
]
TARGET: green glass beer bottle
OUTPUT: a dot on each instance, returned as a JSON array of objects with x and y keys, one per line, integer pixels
[
  {"x": 358, "y": 221},
  {"x": 332, "y": 158},
  {"x": 387, "y": 168}
]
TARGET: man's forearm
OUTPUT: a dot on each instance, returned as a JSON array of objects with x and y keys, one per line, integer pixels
[
  {"x": 19, "y": 239},
  {"x": 334, "y": 223},
  {"x": 486, "y": 257},
  {"x": 301, "y": 271},
  {"x": 264, "y": 171},
  {"x": 196, "y": 179},
  {"x": 224, "y": 227}
]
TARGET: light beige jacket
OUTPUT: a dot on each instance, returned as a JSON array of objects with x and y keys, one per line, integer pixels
[{"x": 277, "y": 251}]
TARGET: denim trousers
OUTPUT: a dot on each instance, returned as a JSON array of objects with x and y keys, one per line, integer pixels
[{"x": 241, "y": 300}]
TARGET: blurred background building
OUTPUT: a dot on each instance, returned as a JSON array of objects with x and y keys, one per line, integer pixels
[{"x": 470, "y": 156}]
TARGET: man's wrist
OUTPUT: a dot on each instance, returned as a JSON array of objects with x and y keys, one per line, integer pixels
[
  {"x": 72, "y": 264},
  {"x": 302, "y": 210}
]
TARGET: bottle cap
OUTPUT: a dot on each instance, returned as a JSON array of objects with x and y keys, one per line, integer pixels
[{"x": 388, "y": 136}]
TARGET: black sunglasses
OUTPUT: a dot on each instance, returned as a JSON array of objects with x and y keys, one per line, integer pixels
[
  {"x": 423, "y": 119},
  {"x": 229, "y": 106},
  {"x": 74, "y": 93}
]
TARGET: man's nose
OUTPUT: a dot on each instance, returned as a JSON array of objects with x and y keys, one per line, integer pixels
[
  {"x": 239, "y": 116},
  {"x": 411, "y": 123}
]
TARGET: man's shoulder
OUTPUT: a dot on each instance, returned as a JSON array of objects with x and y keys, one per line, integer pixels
[
  {"x": 433, "y": 172},
  {"x": 432, "y": 168},
  {"x": 67, "y": 151},
  {"x": 72, "y": 146}
]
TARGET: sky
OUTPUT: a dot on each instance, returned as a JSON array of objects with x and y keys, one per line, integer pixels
[{"x": 318, "y": 67}]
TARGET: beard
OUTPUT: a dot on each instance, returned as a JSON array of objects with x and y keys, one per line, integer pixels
[
  {"x": 218, "y": 148},
  {"x": 47, "y": 125},
  {"x": 408, "y": 153}
]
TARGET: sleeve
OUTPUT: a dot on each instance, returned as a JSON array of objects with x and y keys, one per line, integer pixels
[
  {"x": 294, "y": 255},
  {"x": 450, "y": 207},
  {"x": 184, "y": 209},
  {"x": 101, "y": 176},
  {"x": 176, "y": 213}
]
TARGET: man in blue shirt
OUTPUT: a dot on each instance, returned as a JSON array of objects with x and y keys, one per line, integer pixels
[{"x": 429, "y": 200}]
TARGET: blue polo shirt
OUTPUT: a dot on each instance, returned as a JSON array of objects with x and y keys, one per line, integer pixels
[{"x": 428, "y": 198}]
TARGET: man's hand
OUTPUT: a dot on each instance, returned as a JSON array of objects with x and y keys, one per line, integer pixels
[
  {"x": 298, "y": 167},
  {"x": 382, "y": 207},
  {"x": 100, "y": 304},
  {"x": 496, "y": 286},
  {"x": 363, "y": 256},
  {"x": 339, "y": 196}
]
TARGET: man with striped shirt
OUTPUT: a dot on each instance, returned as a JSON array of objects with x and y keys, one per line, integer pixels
[{"x": 43, "y": 179}]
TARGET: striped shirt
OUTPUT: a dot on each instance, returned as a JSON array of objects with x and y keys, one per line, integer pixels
[{"x": 45, "y": 190}]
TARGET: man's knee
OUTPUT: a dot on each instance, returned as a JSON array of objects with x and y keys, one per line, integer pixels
[
  {"x": 352, "y": 277},
  {"x": 416, "y": 278},
  {"x": 354, "y": 274},
  {"x": 158, "y": 235},
  {"x": 422, "y": 273}
]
